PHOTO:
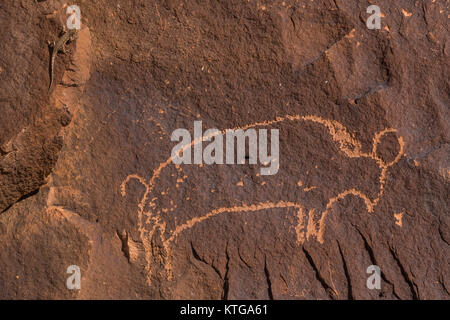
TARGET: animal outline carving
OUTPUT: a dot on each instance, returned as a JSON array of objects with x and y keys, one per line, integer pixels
[{"x": 307, "y": 227}]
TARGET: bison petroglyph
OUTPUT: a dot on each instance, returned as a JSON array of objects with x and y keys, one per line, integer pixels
[{"x": 160, "y": 218}]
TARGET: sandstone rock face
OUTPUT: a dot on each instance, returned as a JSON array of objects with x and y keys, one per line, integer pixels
[{"x": 87, "y": 178}]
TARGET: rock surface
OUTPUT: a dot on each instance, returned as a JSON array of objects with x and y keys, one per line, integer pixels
[{"x": 86, "y": 177}]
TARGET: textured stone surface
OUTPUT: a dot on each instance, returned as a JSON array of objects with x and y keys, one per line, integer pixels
[{"x": 86, "y": 177}]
